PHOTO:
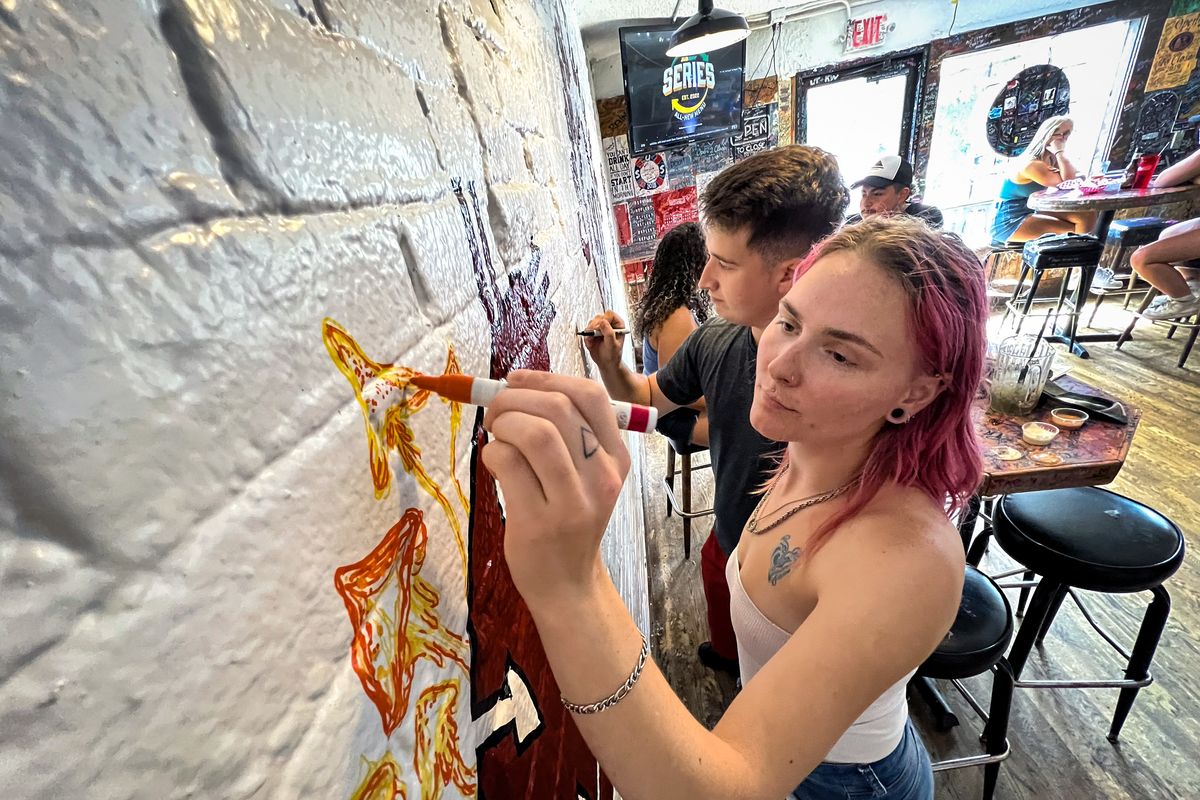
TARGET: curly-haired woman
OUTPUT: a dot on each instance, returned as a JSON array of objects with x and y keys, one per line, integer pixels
[{"x": 672, "y": 307}]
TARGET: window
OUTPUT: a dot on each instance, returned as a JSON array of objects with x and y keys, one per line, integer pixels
[
  {"x": 860, "y": 113},
  {"x": 964, "y": 173}
]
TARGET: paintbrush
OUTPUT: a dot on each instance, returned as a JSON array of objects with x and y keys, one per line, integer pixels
[{"x": 482, "y": 391}]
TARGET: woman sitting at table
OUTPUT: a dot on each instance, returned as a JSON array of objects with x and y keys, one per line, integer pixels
[
  {"x": 1161, "y": 263},
  {"x": 1045, "y": 164},
  {"x": 849, "y": 572}
]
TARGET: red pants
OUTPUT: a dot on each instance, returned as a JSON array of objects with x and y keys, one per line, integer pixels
[{"x": 716, "y": 597}]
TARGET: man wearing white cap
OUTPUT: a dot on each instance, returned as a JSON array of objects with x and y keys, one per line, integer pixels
[{"x": 886, "y": 190}]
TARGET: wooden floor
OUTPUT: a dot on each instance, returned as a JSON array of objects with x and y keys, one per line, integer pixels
[{"x": 1059, "y": 750}]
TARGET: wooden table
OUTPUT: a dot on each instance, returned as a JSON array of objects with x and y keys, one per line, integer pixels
[
  {"x": 1106, "y": 205},
  {"x": 1091, "y": 456}
]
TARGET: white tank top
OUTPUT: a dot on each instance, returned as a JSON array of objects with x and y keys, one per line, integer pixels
[{"x": 872, "y": 736}]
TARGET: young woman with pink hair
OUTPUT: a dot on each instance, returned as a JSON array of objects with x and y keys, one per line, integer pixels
[{"x": 849, "y": 572}]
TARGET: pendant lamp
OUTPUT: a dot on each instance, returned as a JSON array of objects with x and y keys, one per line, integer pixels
[{"x": 710, "y": 29}]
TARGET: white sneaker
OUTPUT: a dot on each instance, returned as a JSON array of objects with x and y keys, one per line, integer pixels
[
  {"x": 1158, "y": 302},
  {"x": 1104, "y": 279},
  {"x": 1173, "y": 309}
]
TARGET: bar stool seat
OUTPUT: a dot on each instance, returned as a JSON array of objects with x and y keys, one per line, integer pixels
[
  {"x": 980, "y": 634},
  {"x": 1124, "y": 236},
  {"x": 1090, "y": 538},
  {"x": 974, "y": 645},
  {"x": 1064, "y": 251},
  {"x": 1093, "y": 539}
]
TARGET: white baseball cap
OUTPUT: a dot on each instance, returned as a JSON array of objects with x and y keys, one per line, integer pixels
[{"x": 887, "y": 170}]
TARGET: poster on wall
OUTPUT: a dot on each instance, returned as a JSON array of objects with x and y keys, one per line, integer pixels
[
  {"x": 620, "y": 169},
  {"x": 643, "y": 234},
  {"x": 680, "y": 172},
  {"x": 702, "y": 180},
  {"x": 785, "y": 114},
  {"x": 758, "y": 131},
  {"x": 1176, "y": 55},
  {"x": 650, "y": 173},
  {"x": 711, "y": 156},
  {"x": 621, "y": 219},
  {"x": 674, "y": 208}
]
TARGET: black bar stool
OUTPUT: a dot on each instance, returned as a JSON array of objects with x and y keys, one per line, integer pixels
[
  {"x": 1097, "y": 540},
  {"x": 1064, "y": 251},
  {"x": 976, "y": 644},
  {"x": 677, "y": 428},
  {"x": 1124, "y": 236}
]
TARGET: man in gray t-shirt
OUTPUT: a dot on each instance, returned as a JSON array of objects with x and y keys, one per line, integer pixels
[
  {"x": 716, "y": 362},
  {"x": 761, "y": 217}
]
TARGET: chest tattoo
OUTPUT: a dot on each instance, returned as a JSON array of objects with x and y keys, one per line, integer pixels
[{"x": 782, "y": 559}]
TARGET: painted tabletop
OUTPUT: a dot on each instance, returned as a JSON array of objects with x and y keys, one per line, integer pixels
[
  {"x": 1090, "y": 456},
  {"x": 1074, "y": 200}
]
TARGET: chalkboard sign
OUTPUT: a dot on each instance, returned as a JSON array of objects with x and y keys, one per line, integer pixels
[{"x": 1034, "y": 95}]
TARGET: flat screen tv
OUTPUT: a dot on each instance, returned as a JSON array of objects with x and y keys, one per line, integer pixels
[{"x": 676, "y": 100}]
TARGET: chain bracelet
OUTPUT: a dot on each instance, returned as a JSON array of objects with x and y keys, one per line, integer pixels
[{"x": 619, "y": 694}]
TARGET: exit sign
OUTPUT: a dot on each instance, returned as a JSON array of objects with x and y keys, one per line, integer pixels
[{"x": 867, "y": 32}]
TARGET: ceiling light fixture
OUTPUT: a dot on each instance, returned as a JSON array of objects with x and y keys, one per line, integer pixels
[{"x": 710, "y": 29}]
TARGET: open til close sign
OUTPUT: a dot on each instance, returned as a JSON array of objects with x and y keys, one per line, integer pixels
[{"x": 867, "y": 32}]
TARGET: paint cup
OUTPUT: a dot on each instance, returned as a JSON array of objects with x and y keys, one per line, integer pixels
[
  {"x": 1145, "y": 170},
  {"x": 1038, "y": 433},
  {"x": 1019, "y": 374}
]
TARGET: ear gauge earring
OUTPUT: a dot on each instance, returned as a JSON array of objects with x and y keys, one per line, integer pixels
[{"x": 897, "y": 415}]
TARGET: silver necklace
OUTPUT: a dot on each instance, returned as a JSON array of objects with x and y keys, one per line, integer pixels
[{"x": 800, "y": 505}]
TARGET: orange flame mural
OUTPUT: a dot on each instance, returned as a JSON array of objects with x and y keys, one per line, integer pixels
[
  {"x": 388, "y": 402},
  {"x": 437, "y": 760},
  {"x": 393, "y": 613},
  {"x": 382, "y": 782},
  {"x": 393, "y": 609}
]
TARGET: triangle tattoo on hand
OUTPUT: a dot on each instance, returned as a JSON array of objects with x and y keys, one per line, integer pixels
[{"x": 590, "y": 443}]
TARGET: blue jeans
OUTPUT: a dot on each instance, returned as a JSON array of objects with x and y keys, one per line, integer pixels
[{"x": 905, "y": 774}]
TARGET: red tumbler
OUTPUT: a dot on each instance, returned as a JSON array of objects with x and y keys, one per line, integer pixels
[{"x": 1145, "y": 170}]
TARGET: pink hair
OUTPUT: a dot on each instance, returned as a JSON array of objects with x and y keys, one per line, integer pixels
[{"x": 936, "y": 450}]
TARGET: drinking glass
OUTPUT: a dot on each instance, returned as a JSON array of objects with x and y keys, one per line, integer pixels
[
  {"x": 1019, "y": 374},
  {"x": 1145, "y": 170}
]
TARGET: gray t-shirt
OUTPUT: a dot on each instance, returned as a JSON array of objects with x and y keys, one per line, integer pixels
[{"x": 716, "y": 362}]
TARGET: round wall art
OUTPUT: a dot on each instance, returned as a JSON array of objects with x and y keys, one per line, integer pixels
[{"x": 1035, "y": 94}]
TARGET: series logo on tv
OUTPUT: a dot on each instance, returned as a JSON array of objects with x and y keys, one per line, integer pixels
[{"x": 687, "y": 82}]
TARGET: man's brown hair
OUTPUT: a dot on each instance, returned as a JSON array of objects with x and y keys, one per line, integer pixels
[{"x": 788, "y": 198}]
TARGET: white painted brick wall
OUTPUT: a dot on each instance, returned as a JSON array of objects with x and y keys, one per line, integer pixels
[{"x": 187, "y": 188}]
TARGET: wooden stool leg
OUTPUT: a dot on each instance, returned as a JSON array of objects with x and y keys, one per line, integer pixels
[
  {"x": 685, "y": 479},
  {"x": 1187, "y": 348},
  {"x": 1095, "y": 308},
  {"x": 1033, "y": 287},
  {"x": 1127, "y": 334},
  {"x": 1012, "y": 301}
]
